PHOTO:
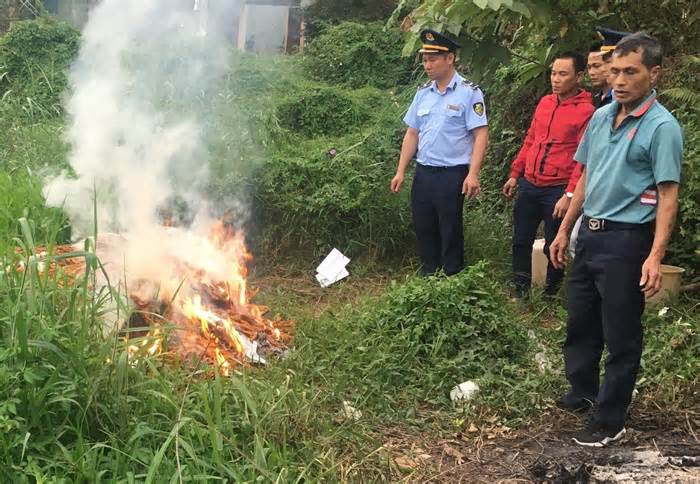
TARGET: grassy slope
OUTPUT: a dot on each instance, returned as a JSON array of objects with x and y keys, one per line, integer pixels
[{"x": 66, "y": 412}]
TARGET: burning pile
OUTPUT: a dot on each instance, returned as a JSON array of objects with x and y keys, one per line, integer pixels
[{"x": 188, "y": 294}]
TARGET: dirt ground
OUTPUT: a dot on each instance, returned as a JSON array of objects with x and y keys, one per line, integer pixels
[
  {"x": 656, "y": 448},
  {"x": 659, "y": 447}
]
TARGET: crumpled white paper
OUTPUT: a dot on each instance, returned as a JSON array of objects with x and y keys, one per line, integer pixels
[
  {"x": 332, "y": 269},
  {"x": 350, "y": 412},
  {"x": 464, "y": 391}
]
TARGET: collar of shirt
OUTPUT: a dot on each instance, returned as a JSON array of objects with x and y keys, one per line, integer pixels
[
  {"x": 456, "y": 79},
  {"x": 639, "y": 111}
]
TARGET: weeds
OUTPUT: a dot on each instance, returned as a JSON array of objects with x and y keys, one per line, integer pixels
[
  {"x": 34, "y": 58},
  {"x": 74, "y": 405},
  {"x": 358, "y": 55}
]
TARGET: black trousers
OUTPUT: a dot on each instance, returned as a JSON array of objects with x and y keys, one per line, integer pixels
[
  {"x": 437, "y": 204},
  {"x": 605, "y": 308},
  {"x": 532, "y": 206}
]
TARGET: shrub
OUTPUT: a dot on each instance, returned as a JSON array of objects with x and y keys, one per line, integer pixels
[
  {"x": 683, "y": 248},
  {"x": 409, "y": 347},
  {"x": 320, "y": 111},
  {"x": 322, "y": 14},
  {"x": 357, "y": 54},
  {"x": 313, "y": 200},
  {"x": 309, "y": 196},
  {"x": 680, "y": 92},
  {"x": 34, "y": 58},
  {"x": 460, "y": 317}
]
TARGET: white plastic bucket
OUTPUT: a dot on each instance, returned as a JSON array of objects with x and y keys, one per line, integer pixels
[
  {"x": 670, "y": 284},
  {"x": 539, "y": 264}
]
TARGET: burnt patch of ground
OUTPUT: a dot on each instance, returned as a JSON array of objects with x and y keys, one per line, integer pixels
[{"x": 658, "y": 447}]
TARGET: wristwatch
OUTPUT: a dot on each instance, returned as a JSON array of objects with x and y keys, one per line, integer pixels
[{"x": 569, "y": 194}]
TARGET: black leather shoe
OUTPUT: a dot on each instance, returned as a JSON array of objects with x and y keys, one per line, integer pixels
[{"x": 574, "y": 403}]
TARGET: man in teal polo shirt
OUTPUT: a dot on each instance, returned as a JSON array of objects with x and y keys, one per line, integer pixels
[{"x": 631, "y": 152}]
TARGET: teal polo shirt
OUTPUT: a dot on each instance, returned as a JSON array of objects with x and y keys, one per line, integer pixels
[{"x": 624, "y": 165}]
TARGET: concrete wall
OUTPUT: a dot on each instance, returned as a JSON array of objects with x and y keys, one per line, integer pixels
[{"x": 270, "y": 26}]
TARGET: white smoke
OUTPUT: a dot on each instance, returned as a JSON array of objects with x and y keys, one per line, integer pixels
[
  {"x": 140, "y": 90},
  {"x": 143, "y": 94}
]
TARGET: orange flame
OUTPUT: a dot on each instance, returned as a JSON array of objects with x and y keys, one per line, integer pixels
[
  {"x": 206, "y": 298},
  {"x": 216, "y": 313}
]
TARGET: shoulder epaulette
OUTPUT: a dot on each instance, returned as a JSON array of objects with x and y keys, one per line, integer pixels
[
  {"x": 427, "y": 84},
  {"x": 470, "y": 84}
]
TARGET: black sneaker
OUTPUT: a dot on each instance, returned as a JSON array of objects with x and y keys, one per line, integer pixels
[
  {"x": 551, "y": 292},
  {"x": 519, "y": 294},
  {"x": 574, "y": 403},
  {"x": 598, "y": 435}
]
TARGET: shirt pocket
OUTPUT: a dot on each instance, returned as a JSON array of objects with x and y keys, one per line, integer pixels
[
  {"x": 424, "y": 109},
  {"x": 454, "y": 115},
  {"x": 638, "y": 157},
  {"x": 423, "y": 114}
]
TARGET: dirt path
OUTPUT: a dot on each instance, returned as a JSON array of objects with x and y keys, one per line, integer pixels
[{"x": 657, "y": 448}]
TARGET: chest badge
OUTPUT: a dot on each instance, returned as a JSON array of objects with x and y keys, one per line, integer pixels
[
  {"x": 453, "y": 107},
  {"x": 648, "y": 197},
  {"x": 478, "y": 109}
]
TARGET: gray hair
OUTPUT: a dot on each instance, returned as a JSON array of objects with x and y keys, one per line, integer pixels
[{"x": 651, "y": 50}]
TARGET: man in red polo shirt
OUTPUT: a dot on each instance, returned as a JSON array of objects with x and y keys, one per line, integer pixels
[{"x": 544, "y": 172}]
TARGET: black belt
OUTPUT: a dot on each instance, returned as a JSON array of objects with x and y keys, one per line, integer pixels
[
  {"x": 601, "y": 225},
  {"x": 442, "y": 168}
]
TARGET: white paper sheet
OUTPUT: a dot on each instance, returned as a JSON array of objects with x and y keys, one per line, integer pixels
[
  {"x": 332, "y": 269},
  {"x": 327, "y": 281}
]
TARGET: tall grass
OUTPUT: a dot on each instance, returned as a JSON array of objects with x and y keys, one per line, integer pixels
[{"x": 74, "y": 406}]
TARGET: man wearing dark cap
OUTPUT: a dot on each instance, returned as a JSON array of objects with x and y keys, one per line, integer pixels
[
  {"x": 447, "y": 134},
  {"x": 599, "y": 60},
  {"x": 598, "y": 75},
  {"x": 631, "y": 152}
]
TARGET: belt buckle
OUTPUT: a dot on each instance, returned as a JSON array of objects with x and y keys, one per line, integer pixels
[{"x": 596, "y": 224}]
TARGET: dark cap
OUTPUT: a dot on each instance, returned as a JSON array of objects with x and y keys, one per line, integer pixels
[
  {"x": 610, "y": 38},
  {"x": 436, "y": 43}
]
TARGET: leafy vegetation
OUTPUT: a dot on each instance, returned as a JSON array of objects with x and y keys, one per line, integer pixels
[
  {"x": 680, "y": 85},
  {"x": 321, "y": 191},
  {"x": 75, "y": 407},
  {"x": 151, "y": 418},
  {"x": 359, "y": 54},
  {"x": 34, "y": 57},
  {"x": 323, "y": 14},
  {"x": 321, "y": 111}
]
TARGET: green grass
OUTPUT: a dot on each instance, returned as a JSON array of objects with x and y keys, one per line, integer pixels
[{"x": 74, "y": 408}]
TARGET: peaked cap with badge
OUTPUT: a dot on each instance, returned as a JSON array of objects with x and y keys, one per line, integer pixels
[
  {"x": 436, "y": 43},
  {"x": 610, "y": 38}
]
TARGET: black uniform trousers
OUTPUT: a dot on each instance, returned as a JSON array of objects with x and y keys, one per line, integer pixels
[
  {"x": 533, "y": 205},
  {"x": 437, "y": 204},
  {"x": 605, "y": 307}
]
